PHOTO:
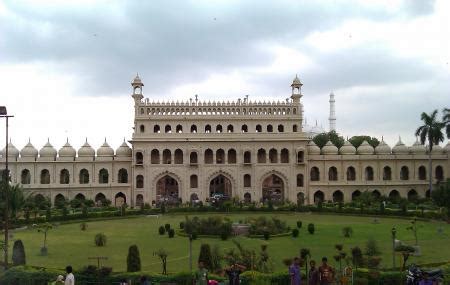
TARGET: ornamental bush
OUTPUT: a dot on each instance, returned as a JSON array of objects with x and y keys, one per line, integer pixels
[
  {"x": 299, "y": 224},
  {"x": 162, "y": 230},
  {"x": 311, "y": 228},
  {"x": 295, "y": 233},
  {"x": 100, "y": 239},
  {"x": 266, "y": 235},
  {"x": 181, "y": 225},
  {"x": 347, "y": 231},
  {"x": 133, "y": 259},
  {"x": 171, "y": 233},
  {"x": 167, "y": 227}
]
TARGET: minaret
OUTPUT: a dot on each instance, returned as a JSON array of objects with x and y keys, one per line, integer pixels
[
  {"x": 332, "y": 117},
  {"x": 137, "y": 89}
]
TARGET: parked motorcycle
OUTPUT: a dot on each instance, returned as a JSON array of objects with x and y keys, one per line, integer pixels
[{"x": 415, "y": 275}]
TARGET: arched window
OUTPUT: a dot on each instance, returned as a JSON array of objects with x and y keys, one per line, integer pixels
[
  {"x": 231, "y": 156},
  {"x": 261, "y": 155},
  {"x": 59, "y": 200},
  {"x": 139, "y": 158},
  {"x": 193, "y": 129},
  {"x": 394, "y": 195},
  {"x": 168, "y": 129},
  {"x": 25, "y": 177},
  {"x": 244, "y": 128},
  {"x": 193, "y": 157},
  {"x": 269, "y": 128},
  {"x": 412, "y": 195},
  {"x": 338, "y": 196},
  {"x": 103, "y": 176},
  {"x": 45, "y": 176},
  {"x": 247, "y": 197},
  {"x": 284, "y": 156},
  {"x": 422, "y": 173},
  {"x": 179, "y": 129},
  {"x": 280, "y": 128},
  {"x": 315, "y": 174},
  {"x": 439, "y": 173},
  {"x": 387, "y": 173},
  {"x": 368, "y": 173},
  {"x": 167, "y": 156},
  {"x": 139, "y": 181},
  {"x": 156, "y": 129},
  {"x": 220, "y": 156},
  {"x": 219, "y": 129},
  {"x": 355, "y": 195},
  {"x": 208, "y": 156},
  {"x": 142, "y": 128},
  {"x": 207, "y": 128},
  {"x": 247, "y": 157},
  {"x": 84, "y": 176},
  {"x": 64, "y": 176},
  {"x": 376, "y": 194},
  {"x": 332, "y": 174},
  {"x": 300, "y": 180},
  {"x": 351, "y": 173},
  {"x": 154, "y": 156},
  {"x": 294, "y": 128},
  {"x": 319, "y": 197},
  {"x": 247, "y": 180},
  {"x": 139, "y": 200},
  {"x": 273, "y": 155},
  {"x": 404, "y": 173},
  {"x": 178, "y": 156},
  {"x": 194, "y": 181},
  {"x": 230, "y": 128},
  {"x": 300, "y": 156},
  {"x": 122, "y": 176},
  {"x": 258, "y": 128}
]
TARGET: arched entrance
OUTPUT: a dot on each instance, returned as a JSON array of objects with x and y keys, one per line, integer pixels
[
  {"x": 167, "y": 190},
  {"x": 273, "y": 189},
  {"x": 247, "y": 197},
  {"x": 99, "y": 199},
  {"x": 220, "y": 188},
  {"x": 120, "y": 199},
  {"x": 139, "y": 200},
  {"x": 319, "y": 197},
  {"x": 194, "y": 198},
  {"x": 338, "y": 196}
]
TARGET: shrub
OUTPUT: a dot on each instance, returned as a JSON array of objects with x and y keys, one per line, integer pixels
[
  {"x": 171, "y": 233},
  {"x": 262, "y": 224},
  {"x": 85, "y": 211},
  {"x": 83, "y": 226},
  {"x": 311, "y": 228},
  {"x": 167, "y": 227},
  {"x": 48, "y": 214},
  {"x": 194, "y": 236},
  {"x": 266, "y": 235},
  {"x": 299, "y": 224},
  {"x": 100, "y": 239},
  {"x": 223, "y": 236},
  {"x": 181, "y": 225},
  {"x": 295, "y": 233},
  {"x": 18, "y": 254},
  {"x": 133, "y": 259},
  {"x": 205, "y": 256},
  {"x": 347, "y": 231},
  {"x": 372, "y": 248},
  {"x": 162, "y": 230}
]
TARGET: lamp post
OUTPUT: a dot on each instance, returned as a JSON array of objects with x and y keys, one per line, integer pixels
[
  {"x": 4, "y": 114},
  {"x": 394, "y": 233}
]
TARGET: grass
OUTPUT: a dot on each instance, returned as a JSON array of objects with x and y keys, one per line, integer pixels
[{"x": 67, "y": 244}]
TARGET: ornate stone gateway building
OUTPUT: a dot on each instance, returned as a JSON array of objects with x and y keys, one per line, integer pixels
[{"x": 194, "y": 150}]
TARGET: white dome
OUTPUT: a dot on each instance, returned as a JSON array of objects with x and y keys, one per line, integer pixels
[
  {"x": 400, "y": 148},
  {"x": 67, "y": 150},
  {"x": 418, "y": 148},
  {"x": 347, "y": 148},
  {"x": 47, "y": 150},
  {"x": 383, "y": 148},
  {"x": 365, "y": 148},
  {"x": 29, "y": 150},
  {"x": 105, "y": 150},
  {"x": 86, "y": 150},
  {"x": 12, "y": 150},
  {"x": 313, "y": 148},
  {"x": 447, "y": 147},
  {"x": 437, "y": 149},
  {"x": 329, "y": 148},
  {"x": 124, "y": 150}
]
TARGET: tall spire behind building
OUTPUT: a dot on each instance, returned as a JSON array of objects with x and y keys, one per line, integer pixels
[{"x": 332, "y": 117}]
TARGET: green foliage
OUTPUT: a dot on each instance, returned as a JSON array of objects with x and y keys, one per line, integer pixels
[
  {"x": 357, "y": 257},
  {"x": 299, "y": 224},
  {"x": 311, "y": 228},
  {"x": 162, "y": 254},
  {"x": 162, "y": 230},
  {"x": 44, "y": 229},
  {"x": 372, "y": 248},
  {"x": 133, "y": 259},
  {"x": 414, "y": 228},
  {"x": 16, "y": 199},
  {"x": 205, "y": 256},
  {"x": 262, "y": 224},
  {"x": 266, "y": 235},
  {"x": 216, "y": 258},
  {"x": 167, "y": 227},
  {"x": 181, "y": 225},
  {"x": 171, "y": 233},
  {"x": 347, "y": 231},
  {"x": 100, "y": 239},
  {"x": 356, "y": 141},
  {"x": 441, "y": 196},
  {"x": 18, "y": 254},
  {"x": 76, "y": 203},
  {"x": 214, "y": 225},
  {"x": 321, "y": 139},
  {"x": 264, "y": 263},
  {"x": 431, "y": 130},
  {"x": 85, "y": 211},
  {"x": 48, "y": 214},
  {"x": 295, "y": 233},
  {"x": 83, "y": 226}
]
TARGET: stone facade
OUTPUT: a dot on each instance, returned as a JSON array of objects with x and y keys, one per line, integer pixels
[{"x": 194, "y": 150}]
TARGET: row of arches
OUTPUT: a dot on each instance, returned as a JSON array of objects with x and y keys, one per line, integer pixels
[
  {"x": 369, "y": 173},
  {"x": 338, "y": 195},
  {"x": 119, "y": 198},
  {"x": 216, "y": 111},
  {"x": 168, "y": 129},
  {"x": 83, "y": 176}
]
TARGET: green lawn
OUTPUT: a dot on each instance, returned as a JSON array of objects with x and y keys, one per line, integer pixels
[{"x": 67, "y": 244}]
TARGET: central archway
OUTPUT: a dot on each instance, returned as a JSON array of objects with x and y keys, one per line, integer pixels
[
  {"x": 167, "y": 190},
  {"x": 220, "y": 186},
  {"x": 273, "y": 189}
]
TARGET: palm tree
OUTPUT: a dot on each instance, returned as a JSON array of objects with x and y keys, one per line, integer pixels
[
  {"x": 431, "y": 132},
  {"x": 446, "y": 121}
]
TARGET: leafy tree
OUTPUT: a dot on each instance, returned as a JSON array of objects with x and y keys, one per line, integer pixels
[
  {"x": 133, "y": 259},
  {"x": 167, "y": 227},
  {"x": 299, "y": 224},
  {"x": 162, "y": 230},
  {"x": 162, "y": 254},
  {"x": 340, "y": 256},
  {"x": 205, "y": 256},
  {"x": 48, "y": 214},
  {"x": 171, "y": 233},
  {"x": 441, "y": 196},
  {"x": 18, "y": 254},
  {"x": 100, "y": 239},
  {"x": 311, "y": 228},
  {"x": 357, "y": 257},
  {"x": 414, "y": 228},
  {"x": 321, "y": 139},
  {"x": 304, "y": 254},
  {"x": 44, "y": 228},
  {"x": 216, "y": 258},
  {"x": 295, "y": 233},
  {"x": 16, "y": 199},
  {"x": 446, "y": 121},
  {"x": 372, "y": 248},
  {"x": 431, "y": 132},
  {"x": 264, "y": 263},
  {"x": 83, "y": 226},
  {"x": 356, "y": 141},
  {"x": 347, "y": 231},
  {"x": 406, "y": 252}
]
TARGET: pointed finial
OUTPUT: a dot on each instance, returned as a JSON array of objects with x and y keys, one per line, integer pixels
[
  {"x": 86, "y": 140},
  {"x": 29, "y": 140},
  {"x": 105, "y": 139},
  {"x": 67, "y": 139},
  {"x": 48, "y": 139}
]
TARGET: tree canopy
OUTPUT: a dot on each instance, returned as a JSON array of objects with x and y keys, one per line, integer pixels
[
  {"x": 356, "y": 141},
  {"x": 321, "y": 139}
]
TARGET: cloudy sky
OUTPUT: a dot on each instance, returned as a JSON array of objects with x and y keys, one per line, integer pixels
[{"x": 66, "y": 66}]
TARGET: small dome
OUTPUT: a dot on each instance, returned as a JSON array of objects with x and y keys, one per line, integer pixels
[
  {"x": 365, "y": 148},
  {"x": 347, "y": 148},
  {"x": 296, "y": 80},
  {"x": 86, "y": 150},
  {"x": 67, "y": 150},
  {"x": 47, "y": 150},
  {"x": 124, "y": 150},
  {"x": 12, "y": 150},
  {"x": 400, "y": 148},
  {"x": 313, "y": 148},
  {"x": 137, "y": 80},
  {"x": 105, "y": 150},
  {"x": 383, "y": 148},
  {"x": 437, "y": 149},
  {"x": 29, "y": 150},
  {"x": 418, "y": 148},
  {"x": 447, "y": 147},
  {"x": 329, "y": 148}
]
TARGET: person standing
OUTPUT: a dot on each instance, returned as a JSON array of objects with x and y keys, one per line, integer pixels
[
  {"x": 294, "y": 272},
  {"x": 313, "y": 274},
  {"x": 70, "y": 278},
  {"x": 234, "y": 273},
  {"x": 325, "y": 273},
  {"x": 201, "y": 276}
]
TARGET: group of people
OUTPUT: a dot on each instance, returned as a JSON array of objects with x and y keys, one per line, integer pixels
[
  {"x": 323, "y": 275},
  {"x": 68, "y": 280},
  {"x": 233, "y": 272}
]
